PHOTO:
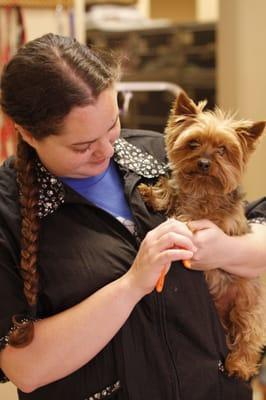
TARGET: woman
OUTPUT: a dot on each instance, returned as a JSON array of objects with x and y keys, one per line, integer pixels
[{"x": 81, "y": 254}]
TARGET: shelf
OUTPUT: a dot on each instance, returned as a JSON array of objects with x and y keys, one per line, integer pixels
[{"x": 36, "y": 3}]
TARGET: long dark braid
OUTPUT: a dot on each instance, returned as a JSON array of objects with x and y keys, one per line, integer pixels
[
  {"x": 28, "y": 187},
  {"x": 39, "y": 87},
  {"x": 30, "y": 224}
]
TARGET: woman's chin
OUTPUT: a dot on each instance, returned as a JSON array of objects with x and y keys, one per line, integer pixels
[{"x": 96, "y": 168}]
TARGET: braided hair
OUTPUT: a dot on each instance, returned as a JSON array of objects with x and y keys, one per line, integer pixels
[{"x": 39, "y": 86}]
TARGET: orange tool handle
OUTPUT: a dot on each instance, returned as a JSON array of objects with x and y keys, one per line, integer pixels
[
  {"x": 160, "y": 282},
  {"x": 187, "y": 263}
]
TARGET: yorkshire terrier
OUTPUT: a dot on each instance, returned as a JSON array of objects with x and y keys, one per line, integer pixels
[{"x": 208, "y": 152}]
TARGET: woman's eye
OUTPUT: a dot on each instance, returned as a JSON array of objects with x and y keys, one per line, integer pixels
[
  {"x": 193, "y": 144},
  {"x": 221, "y": 150},
  {"x": 83, "y": 150}
]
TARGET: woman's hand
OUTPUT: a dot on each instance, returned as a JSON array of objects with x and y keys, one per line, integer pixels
[
  {"x": 213, "y": 245},
  {"x": 170, "y": 241},
  {"x": 240, "y": 255}
]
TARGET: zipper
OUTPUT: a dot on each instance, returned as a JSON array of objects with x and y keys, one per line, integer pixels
[
  {"x": 162, "y": 320},
  {"x": 160, "y": 304}
]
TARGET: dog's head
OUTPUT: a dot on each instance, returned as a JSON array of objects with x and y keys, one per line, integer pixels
[{"x": 208, "y": 150}]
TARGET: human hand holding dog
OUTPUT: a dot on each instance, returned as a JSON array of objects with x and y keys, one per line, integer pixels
[
  {"x": 170, "y": 241},
  {"x": 213, "y": 245},
  {"x": 239, "y": 255}
]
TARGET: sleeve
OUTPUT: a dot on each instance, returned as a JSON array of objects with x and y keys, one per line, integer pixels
[
  {"x": 256, "y": 211},
  {"x": 12, "y": 299}
]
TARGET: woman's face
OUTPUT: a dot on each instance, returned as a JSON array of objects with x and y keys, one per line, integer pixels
[{"x": 84, "y": 145}]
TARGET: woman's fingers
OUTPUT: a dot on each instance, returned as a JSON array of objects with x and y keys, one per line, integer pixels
[
  {"x": 170, "y": 255},
  {"x": 199, "y": 225},
  {"x": 171, "y": 225},
  {"x": 174, "y": 240},
  {"x": 170, "y": 241}
]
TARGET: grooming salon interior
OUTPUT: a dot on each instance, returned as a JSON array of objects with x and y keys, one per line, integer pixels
[{"x": 211, "y": 49}]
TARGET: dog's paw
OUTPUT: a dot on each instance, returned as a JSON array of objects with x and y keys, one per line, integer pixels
[{"x": 145, "y": 192}]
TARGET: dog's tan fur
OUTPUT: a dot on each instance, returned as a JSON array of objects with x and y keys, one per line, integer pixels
[{"x": 207, "y": 153}]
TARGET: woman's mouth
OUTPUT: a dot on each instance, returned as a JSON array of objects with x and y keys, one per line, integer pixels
[{"x": 101, "y": 161}]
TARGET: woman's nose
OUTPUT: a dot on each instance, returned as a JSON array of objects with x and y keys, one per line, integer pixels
[{"x": 103, "y": 148}]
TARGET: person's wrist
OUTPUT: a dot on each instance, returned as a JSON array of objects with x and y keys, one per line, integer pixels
[
  {"x": 233, "y": 252},
  {"x": 134, "y": 290}
]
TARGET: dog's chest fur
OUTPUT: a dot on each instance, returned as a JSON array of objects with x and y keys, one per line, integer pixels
[{"x": 226, "y": 211}]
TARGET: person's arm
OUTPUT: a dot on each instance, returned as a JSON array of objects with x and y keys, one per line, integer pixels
[
  {"x": 66, "y": 341},
  {"x": 240, "y": 255}
]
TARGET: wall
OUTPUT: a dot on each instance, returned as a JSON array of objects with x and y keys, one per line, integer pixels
[
  {"x": 8, "y": 391},
  {"x": 207, "y": 10},
  {"x": 241, "y": 74},
  {"x": 180, "y": 10},
  {"x": 40, "y": 21},
  {"x": 177, "y": 10}
]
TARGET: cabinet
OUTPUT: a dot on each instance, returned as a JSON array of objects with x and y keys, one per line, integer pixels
[
  {"x": 183, "y": 54},
  {"x": 197, "y": 49},
  {"x": 177, "y": 52}
]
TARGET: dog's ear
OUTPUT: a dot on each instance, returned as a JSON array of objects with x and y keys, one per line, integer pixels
[
  {"x": 250, "y": 134},
  {"x": 184, "y": 105},
  {"x": 256, "y": 130}
]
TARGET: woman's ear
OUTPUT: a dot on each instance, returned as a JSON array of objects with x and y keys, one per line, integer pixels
[{"x": 26, "y": 136}]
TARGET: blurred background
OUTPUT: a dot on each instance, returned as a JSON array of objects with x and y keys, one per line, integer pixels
[{"x": 213, "y": 49}]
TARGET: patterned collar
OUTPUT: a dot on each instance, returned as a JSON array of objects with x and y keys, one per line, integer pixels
[{"x": 128, "y": 156}]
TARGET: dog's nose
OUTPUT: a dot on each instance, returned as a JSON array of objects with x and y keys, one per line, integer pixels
[{"x": 204, "y": 164}]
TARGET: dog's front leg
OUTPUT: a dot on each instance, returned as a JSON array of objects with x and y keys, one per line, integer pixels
[{"x": 159, "y": 197}]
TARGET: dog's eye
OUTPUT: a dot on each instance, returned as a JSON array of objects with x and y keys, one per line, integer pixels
[
  {"x": 221, "y": 150},
  {"x": 193, "y": 144}
]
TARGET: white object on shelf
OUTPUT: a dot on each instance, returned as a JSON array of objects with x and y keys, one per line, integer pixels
[
  {"x": 127, "y": 88},
  {"x": 156, "y": 86}
]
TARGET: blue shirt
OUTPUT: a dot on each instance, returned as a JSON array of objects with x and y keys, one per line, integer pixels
[{"x": 106, "y": 191}]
